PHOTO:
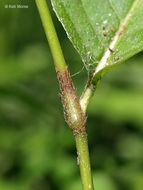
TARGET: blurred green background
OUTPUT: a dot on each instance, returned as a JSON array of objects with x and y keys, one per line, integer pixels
[{"x": 37, "y": 149}]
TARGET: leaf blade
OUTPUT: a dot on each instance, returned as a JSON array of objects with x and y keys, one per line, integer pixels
[{"x": 97, "y": 23}]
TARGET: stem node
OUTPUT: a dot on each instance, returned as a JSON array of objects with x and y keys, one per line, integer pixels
[{"x": 72, "y": 109}]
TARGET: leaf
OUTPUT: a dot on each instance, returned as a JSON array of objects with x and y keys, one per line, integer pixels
[{"x": 104, "y": 32}]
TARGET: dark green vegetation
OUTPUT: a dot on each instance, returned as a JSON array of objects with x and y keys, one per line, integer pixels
[{"x": 37, "y": 150}]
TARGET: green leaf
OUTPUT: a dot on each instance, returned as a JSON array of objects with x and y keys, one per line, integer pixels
[{"x": 104, "y": 32}]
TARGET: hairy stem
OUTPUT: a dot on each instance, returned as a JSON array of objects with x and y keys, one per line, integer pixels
[{"x": 74, "y": 114}]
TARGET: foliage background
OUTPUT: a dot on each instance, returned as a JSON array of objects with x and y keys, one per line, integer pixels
[{"x": 37, "y": 149}]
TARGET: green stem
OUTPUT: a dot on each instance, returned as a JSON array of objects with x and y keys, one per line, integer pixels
[
  {"x": 84, "y": 161},
  {"x": 88, "y": 93},
  {"x": 74, "y": 115},
  {"x": 86, "y": 96},
  {"x": 51, "y": 35}
]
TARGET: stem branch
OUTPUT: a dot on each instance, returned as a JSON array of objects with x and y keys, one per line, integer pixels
[{"x": 88, "y": 93}]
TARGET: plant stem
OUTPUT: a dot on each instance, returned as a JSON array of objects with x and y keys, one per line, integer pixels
[
  {"x": 88, "y": 93},
  {"x": 85, "y": 97},
  {"x": 74, "y": 115},
  {"x": 84, "y": 161},
  {"x": 51, "y": 35}
]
